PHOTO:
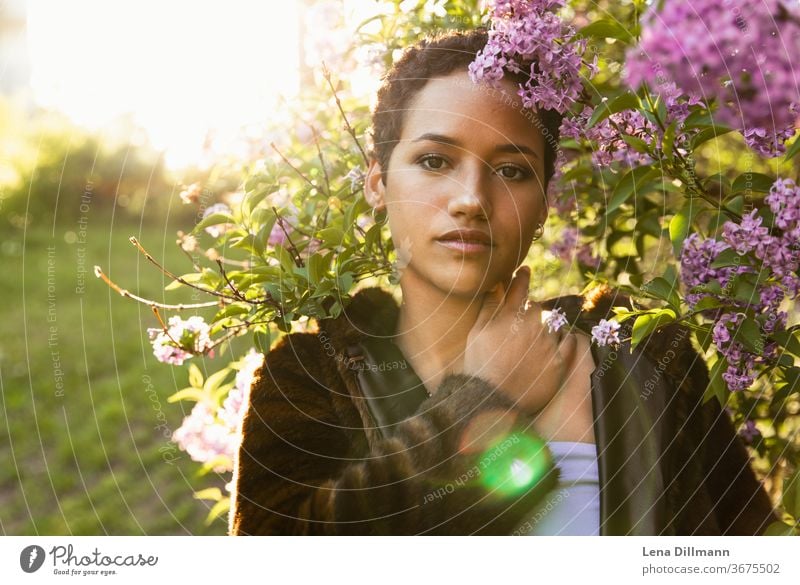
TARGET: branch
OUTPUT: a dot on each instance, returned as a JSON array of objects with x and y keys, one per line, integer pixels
[
  {"x": 294, "y": 168},
  {"x": 147, "y": 255},
  {"x": 327, "y": 75},
  {"x": 98, "y": 272}
]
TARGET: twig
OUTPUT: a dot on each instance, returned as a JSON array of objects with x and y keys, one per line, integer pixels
[
  {"x": 147, "y": 255},
  {"x": 322, "y": 162},
  {"x": 98, "y": 272},
  {"x": 292, "y": 247},
  {"x": 327, "y": 75},
  {"x": 294, "y": 168},
  {"x": 235, "y": 291},
  {"x": 166, "y": 330}
]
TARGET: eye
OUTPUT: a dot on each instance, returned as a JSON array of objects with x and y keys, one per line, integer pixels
[
  {"x": 432, "y": 162},
  {"x": 513, "y": 173}
]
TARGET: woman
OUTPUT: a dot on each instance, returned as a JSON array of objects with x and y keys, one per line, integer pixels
[{"x": 425, "y": 418}]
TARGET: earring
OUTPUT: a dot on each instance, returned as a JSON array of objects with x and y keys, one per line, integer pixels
[
  {"x": 382, "y": 215},
  {"x": 539, "y": 231}
]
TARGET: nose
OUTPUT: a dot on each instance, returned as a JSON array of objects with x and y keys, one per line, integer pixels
[{"x": 472, "y": 198}]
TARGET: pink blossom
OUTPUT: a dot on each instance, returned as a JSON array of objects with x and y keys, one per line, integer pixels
[
  {"x": 181, "y": 340},
  {"x": 204, "y": 439}
]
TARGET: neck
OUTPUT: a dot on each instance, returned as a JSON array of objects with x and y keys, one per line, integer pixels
[{"x": 432, "y": 329}]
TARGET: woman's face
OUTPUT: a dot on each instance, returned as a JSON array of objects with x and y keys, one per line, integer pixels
[{"x": 468, "y": 159}]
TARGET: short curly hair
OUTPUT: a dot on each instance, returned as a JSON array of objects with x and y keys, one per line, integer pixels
[{"x": 438, "y": 56}]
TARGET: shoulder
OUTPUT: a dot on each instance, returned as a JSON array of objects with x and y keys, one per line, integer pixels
[
  {"x": 292, "y": 368},
  {"x": 670, "y": 347}
]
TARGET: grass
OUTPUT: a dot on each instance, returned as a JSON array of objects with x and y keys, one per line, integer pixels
[{"x": 88, "y": 459}]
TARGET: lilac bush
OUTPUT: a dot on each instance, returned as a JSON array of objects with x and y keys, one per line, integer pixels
[{"x": 740, "y": 54}]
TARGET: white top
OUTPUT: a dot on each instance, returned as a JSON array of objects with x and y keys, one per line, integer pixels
[{"x": 572, "y": 508}]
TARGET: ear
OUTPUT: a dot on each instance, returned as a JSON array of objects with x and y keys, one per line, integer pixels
[{"x": 374, "y": 189}]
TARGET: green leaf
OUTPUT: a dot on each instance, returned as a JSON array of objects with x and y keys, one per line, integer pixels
[
  {"x": 195, "y": 376},
  {"x": 231, "y": 310},
  {"x": 749, "y": 334},
  {"x": 649, "y": 322},
  {"x": 344, "y": 282},
  {"x": 707, "y": 303},
  {"x": 215, "y": 380},
  {"x": 709, "y": 134},
  {"x": 218, "y": 510},
  {"x": 626, "y": 101},
  {"x": 285, "y": 258},
  {"x": 717, "y": 386},
  {"x": 214, "y": 494},
  {"x": 262, "y": 341},
  {"x": 704, "y": 336},
  {"x": 661, "y": 289},
  {"x": 607, "y": 29},
  {"x": 757, "y": 182},
  {"x": 788, "y": 340},
  {"x": 792, "y": 151},
  {"x": 249, "y": 243},
  {"x": 195, "y": 394},
  {"x": 264, "y": 223},
  {"x": 668, "y": 143},
  {"x": 780, "y": 529},
  {"x": 190, "y": 277},
  {"x": 253, "y": 197},
  {"x": 636, "y": 144},
  {"x": 791, "y": 494},
  {"x": 744, "y": 289},
  {"x": 628, "y": 184},
  {"x": 728, "y": 257},
  {"x": 213, "y": 219},
  {"x": 698, "y": 119},
  {"x": 316, "y": 268},
  {"x": 681, "y": 223},
  {"x": 331, "y": 236}
]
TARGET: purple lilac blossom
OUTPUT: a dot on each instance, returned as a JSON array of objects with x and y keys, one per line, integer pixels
[
  {"x": 555, "y": 320},
  {"x": 739, "y": 53},
  {"x": 745, "y": 236},
  {"x": 606, "y": 332},
  {"x": 528, "y": 35},
  {"x": 564, "y": 248},
  {"x": 749, "y": 432}
]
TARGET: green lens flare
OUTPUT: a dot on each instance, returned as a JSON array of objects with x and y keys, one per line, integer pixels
[{"x": 515, "y": 464}]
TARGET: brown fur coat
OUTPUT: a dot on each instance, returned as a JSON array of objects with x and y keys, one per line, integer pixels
[{"x": 311, "y": 460}]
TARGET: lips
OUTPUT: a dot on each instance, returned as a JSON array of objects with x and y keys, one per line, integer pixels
[
  {"x": 467, "y": 242},
  {"x": 467, "y": 237}
]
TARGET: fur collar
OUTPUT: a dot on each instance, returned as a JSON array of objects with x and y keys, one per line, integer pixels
[{"x": 374, "y": 311}]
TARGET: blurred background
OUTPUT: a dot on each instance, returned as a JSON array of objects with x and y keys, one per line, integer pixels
[{"x": 109, "y": 112}]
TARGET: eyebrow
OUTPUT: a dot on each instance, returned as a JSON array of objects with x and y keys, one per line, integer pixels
[{"x": 507, "y": 148}]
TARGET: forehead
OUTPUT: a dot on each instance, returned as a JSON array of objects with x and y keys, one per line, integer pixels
[{"x": 455, "y": 104}]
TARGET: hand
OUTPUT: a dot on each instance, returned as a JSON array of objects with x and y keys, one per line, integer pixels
[{"x": 510, "y": 347}]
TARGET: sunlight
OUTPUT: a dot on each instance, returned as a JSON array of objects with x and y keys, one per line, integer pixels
[{"x": 183, "y": 70}]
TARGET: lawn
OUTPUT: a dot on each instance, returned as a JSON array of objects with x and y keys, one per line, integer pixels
[{"x": 80, "y": 444}]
